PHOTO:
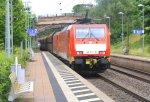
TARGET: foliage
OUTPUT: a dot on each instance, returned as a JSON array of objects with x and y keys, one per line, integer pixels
[
  {"x": 22, "y": 59},
  {"x": 132, "y": 15},
  {"x": 132, "y": 18},
  {"x": 135, "y": 46},
  {"x": 19, "y": 22},
  {"x": 146, "y": 4},
  {"x": 19, "y": 34},
  {"x": 79, "y": 9},
  {"x": 5, "y": 64},
  {"x": 147, "y": 39},
  {"x": 2, "y": 21},
  {"x": 4, "y": 73}
]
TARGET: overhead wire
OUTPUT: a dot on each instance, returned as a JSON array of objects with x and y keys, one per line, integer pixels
[{"x": 68, "y": 4}]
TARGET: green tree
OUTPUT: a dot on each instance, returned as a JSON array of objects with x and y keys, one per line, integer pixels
[
  {"x": 111, "y": 8},
  {"x": 19, "y": 22},
  {"x": 146, "y": 4},
  {"x": 79, "y": 9},
  {"x": 2, "y": 23}
]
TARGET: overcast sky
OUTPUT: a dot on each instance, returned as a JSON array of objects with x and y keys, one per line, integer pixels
[{"x": 52, "y": 7}]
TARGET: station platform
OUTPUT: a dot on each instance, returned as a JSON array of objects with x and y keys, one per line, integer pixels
[{"x": 56, "y": 82}]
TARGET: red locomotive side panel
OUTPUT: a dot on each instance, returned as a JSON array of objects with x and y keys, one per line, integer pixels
[
  {"x": 108, "y": 42},
  {"x": 56, "y": 43},
  {"x": 64, "y": 45},
  {"x": 72, "y": 41}
]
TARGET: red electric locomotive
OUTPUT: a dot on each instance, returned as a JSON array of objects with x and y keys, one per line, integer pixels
[{"x": 85, "y": 46}]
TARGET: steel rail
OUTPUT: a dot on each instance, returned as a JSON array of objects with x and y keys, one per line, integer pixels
[
  {"x": 141, "y": 98},
  {"x": 139, "y": 71},
  {"x": 131, "y": 75}
]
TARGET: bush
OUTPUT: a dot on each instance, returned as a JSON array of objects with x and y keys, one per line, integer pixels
[
  {"x": 2, "y": 46},
  {"x": 5, "y": 64},
  {"x": 147, "y": 38},
  {"x": 4, "y": 73},
  {"x": 21, "y": 59}
]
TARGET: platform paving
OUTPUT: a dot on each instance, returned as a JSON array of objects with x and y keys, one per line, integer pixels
[{"x": 36, "y": 72}]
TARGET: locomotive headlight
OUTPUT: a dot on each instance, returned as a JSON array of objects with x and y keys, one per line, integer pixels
[
  {"x": 101, "y": 52},
  {"x": 79, "y": 52}
]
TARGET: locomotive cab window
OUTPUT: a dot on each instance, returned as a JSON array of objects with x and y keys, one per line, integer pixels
[{"x": 90, "y": 32}]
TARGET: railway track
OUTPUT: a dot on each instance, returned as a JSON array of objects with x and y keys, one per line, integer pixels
[
  {"x": 132, "y": 73},
  {"x": 131, "y": 92},
  {"x": 133, "y": 83},
  {"x": 132, "y": 69}
]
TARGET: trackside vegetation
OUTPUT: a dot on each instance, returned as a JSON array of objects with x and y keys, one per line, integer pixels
[
  {"x": 5, "y": 65},
  {"x": 134, "y": 44},
  {"x": 19, "y": 34},
  {"x": 19, "y": 21}
]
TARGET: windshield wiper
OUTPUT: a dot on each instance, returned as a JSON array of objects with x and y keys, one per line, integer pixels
[
  {"x": 90, "y": 35},
  {"x": 93, "y": 35},
  {"x": 85, "y": 36}
]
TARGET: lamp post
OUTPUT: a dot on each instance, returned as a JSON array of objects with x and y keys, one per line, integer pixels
[
  {"x": 121, "y": 13},
  {"x": 11, "y": 13},
  {"x": 7, "y": 31},
  {"x": 141, "y": 5},
  {"x": 27, "y": 23},
  {"x": 109, "y": 21}
]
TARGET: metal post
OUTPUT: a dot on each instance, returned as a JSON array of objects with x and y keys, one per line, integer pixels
[
  {"x": 29, "y": 45},
  {"x": 26, "y": 44},
  {"x": 128, "y": 32},
  {"x": 28, "y": 26},
  {"x": 141, "y": 5},
  {"x": 28, "y": 20},
  {"x": 21, "y": 46},
  {"x": 143, "y": 31},
  {"x": 108, "y": 22},
  {"x": 30, "y": 42},
  {"x": 7, "y": 30},
  {"x": 122, "y": 34},
  {"x": 11, "y": 28},
  {"x": 26, "y": 40},
  {"x": 122, "y": 31}
]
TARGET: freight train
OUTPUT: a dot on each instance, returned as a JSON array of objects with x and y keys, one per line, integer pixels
[{"x": 86, "y": 47}]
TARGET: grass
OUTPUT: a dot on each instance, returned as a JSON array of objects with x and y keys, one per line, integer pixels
[{"x": 135, "y": 46}]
